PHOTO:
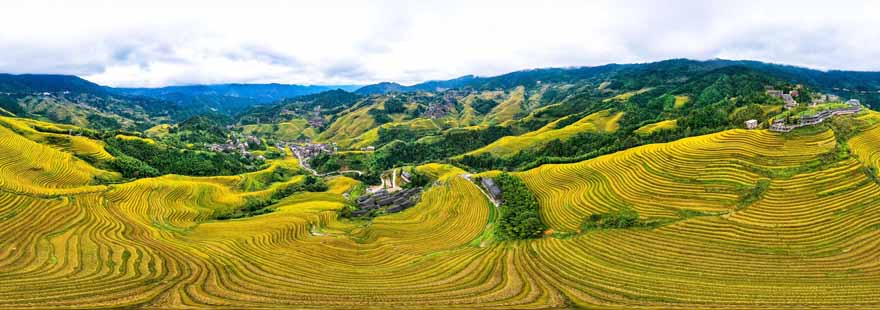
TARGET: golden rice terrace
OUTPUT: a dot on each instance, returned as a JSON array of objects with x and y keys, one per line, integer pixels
[{"x": 740, "y": 219}]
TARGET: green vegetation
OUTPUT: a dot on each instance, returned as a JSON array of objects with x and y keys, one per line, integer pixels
[
  {"x": 754, "y": 195},
  {"x": 624, "y": 218},
  {"x": 519, "y": 217},
  {"x": 482, "y": 105},
  {"x": 417, "y": 179},
  {"x": 144, "y": 159}
]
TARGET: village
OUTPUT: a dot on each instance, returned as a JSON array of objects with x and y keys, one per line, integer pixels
[
  {"x": 304, "y": 152},
  {"x": 821, "y": 108},
  {"x": 236, "y": 143}
]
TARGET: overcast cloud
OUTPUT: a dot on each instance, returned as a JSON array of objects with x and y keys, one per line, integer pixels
[{"x": 157, "y": 43}]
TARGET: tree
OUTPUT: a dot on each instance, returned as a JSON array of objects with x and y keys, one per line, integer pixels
[{"x": 519, "y": 218}]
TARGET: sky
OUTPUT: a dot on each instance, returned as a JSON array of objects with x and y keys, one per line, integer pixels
[{"x": 152, "y": 43}]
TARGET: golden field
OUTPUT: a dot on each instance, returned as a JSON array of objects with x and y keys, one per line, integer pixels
[{"x": 809, "y": 241}]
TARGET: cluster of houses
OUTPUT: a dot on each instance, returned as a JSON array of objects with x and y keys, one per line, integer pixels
[
  {"x": 305, "y": 151},
  {"x": 317, "y": 122},
  {"x": 823, "y": 98},
  {"x": 787, "y": 98},
  {"x": 852, "y": 106},
  {"x": 238, "y": 144},
  {"x": 309, "y": 150},
  {"x": 437, "y": 110},
  {"x": 390, "y": 202},
  {"x": 790, "y": 102},
  {"x": 315, "y": 118}
]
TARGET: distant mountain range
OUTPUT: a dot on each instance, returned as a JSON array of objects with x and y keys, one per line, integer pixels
[
  {"x": 855, "y": 80},
  {"x": 70, "y": 99},
  {"x": 387, "y": 87},
  {"x": 227, "y": 98},
  {"x": 30, "y": 83}
]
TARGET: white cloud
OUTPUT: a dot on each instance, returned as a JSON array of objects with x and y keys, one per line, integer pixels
[{"x": 154, "y": 43}]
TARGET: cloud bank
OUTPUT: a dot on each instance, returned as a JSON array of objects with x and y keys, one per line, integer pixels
[{"x": 158, "y": 43}]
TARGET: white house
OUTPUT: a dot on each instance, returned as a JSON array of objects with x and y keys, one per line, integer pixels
[{"x": 752, "y": 124}]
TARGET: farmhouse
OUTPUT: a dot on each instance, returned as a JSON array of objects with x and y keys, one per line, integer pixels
[
  {"x": 492, "y": 188},
  {"x": 752, "y": 124}
]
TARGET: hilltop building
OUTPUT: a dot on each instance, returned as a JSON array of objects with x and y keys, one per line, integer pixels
[{"x": 752, "y": 124}]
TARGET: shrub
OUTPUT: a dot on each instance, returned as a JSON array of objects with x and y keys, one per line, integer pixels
[
  {"x": 131, "y": 167},
  {"x": 623, "y": 218}
]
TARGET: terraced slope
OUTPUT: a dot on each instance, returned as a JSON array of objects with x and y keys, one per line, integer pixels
[
  {"x": 653, "y": 127},
  {"x": 602, "y": 121},
  {"x": 508, "y": 109},
  {"x": 31, "y": 168},
  {"x": 809, "y": 239},
  {"x": 348, "y": 127}
]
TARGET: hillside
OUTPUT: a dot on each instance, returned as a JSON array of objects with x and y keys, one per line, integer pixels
[
  {"x": 72, "y": 100},
  {"x": 603, "y": 121},
  {"x": 32, "y": 83},
  {"x": 731, "y": 219}
]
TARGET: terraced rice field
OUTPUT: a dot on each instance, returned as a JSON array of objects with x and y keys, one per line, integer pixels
[
  {"x": 348, "y": 127},
  {"x": 661, "y": 125},
  {"x": 680, "y": 101},
  {"x": 625, "y": 96},
  {"x": 158, "y": 131},
  {"x": 508, "y": 109},
  {"x": 602, "y": 121},
  {"x": 809, "y": 241}
]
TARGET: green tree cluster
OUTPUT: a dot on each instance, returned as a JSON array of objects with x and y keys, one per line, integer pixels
[
  {"x": 623, "y": 218},
  {"x": 135, "y": 158},
  {"x": 519, "y": 217}
]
